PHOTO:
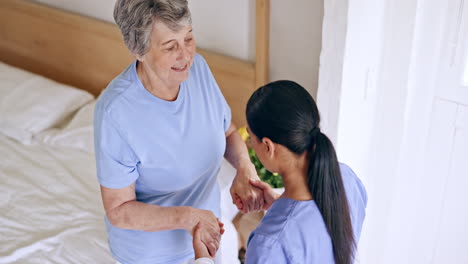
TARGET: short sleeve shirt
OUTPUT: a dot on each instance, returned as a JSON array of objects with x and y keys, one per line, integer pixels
[{"x": 172, "y": 150}]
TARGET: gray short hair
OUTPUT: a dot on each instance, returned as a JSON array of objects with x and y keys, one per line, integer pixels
[{"x": 135, "y": 19}]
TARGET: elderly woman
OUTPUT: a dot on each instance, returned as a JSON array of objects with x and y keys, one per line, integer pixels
[{"x": 161, "y": 129}]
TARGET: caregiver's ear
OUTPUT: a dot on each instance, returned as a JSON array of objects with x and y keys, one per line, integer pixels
[{"x": 269, "y": 146}]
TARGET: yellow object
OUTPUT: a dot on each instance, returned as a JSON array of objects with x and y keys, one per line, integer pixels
[{"x": 243, "y": 132}]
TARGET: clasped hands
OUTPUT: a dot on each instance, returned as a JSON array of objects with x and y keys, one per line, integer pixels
[{"x": 249, "y": 194}]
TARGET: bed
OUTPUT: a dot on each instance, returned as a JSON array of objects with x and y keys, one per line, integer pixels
[{"x": 53, "y": 64}]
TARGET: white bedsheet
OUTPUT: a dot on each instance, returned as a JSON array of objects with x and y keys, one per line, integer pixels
[
  {"x": 50, "y": 206},
  {"x": 51, "y": 209}
]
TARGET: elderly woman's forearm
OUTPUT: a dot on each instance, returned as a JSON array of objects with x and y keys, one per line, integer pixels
[
  {"x": 147, "y": 217},
  {"x": 236, "y": 151}
]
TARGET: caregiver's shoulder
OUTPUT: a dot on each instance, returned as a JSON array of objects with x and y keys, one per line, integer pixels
[{"x": 352, "y": 183}]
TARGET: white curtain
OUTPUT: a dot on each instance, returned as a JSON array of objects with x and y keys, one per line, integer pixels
[{"x": 392, "y": 98}]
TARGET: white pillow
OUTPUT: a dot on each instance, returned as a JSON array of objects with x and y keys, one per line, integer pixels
[
  {"x": 78, "y": 133},
  {"x": 11, "y": 77},
  {"x": 30, "y": 103}
]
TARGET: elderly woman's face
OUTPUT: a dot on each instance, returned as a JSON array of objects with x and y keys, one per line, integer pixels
[{"x": 171, "y": 53}]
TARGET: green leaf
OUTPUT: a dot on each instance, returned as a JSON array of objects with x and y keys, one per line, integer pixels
[{"x": 275, "y": 181}]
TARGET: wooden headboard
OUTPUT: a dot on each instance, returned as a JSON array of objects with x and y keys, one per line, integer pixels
[{"x": 88, "y": 53}]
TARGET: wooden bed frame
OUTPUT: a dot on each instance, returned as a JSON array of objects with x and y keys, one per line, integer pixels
[{"x": 88, "y": 53}]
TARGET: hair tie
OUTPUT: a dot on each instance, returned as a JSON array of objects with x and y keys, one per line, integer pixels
[{"x": 314, "y": 132}]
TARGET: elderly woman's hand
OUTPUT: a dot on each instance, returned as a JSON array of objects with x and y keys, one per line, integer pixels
[
  {"x": 209, "y": 228},
  {"x": 246, "y": 197}
]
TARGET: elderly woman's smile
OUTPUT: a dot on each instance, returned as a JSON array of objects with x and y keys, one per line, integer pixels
[{"x": 180, "y": 69}]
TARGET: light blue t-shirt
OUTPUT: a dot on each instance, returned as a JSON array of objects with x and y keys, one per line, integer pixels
[
  {"x": 172, "y": 150},
  {"x": 294, "y": 231}
]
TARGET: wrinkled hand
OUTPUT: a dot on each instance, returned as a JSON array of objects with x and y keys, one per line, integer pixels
[
  {"x": 246, "y": 197},
  {"x": 269, "y": 195},
  {"x": 201, "y": 251},
  {"x": 209, "y": 229}
]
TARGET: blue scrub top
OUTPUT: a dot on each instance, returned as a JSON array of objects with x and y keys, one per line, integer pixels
[
  {"x": 294, "y": 231},
  {"x": 172, "y": 150}
]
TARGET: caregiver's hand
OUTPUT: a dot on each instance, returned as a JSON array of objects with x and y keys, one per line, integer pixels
[
  {"x": 201, "y": 251},
  {"x": 269, "y": 195},
  {"x": 246, "y": 197},
  {"x": 208, "y": 226}
]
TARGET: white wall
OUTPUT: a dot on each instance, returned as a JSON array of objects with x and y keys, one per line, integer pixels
[
  {"x": 295, "y": 41},
  {"x": 228, "y": 27}
]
